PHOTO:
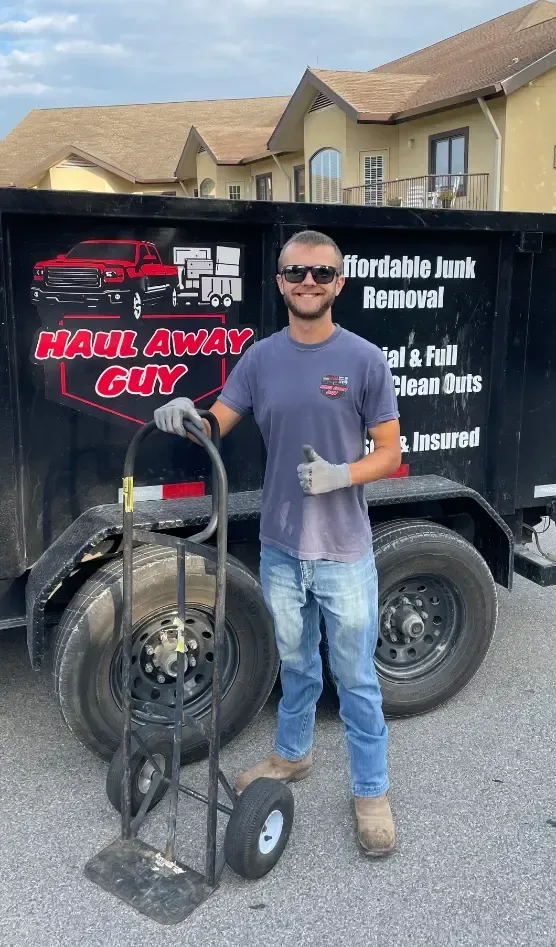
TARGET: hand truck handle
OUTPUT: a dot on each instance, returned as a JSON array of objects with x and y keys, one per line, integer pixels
[{"x": 218, "y": 475}]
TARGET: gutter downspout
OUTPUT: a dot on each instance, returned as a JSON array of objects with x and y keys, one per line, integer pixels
[
  {"x": 287, "y": 177},
  {"x": 498, "y": 154}
]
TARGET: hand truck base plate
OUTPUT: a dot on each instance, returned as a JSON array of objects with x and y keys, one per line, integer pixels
[{"x": 138, "y": 874}]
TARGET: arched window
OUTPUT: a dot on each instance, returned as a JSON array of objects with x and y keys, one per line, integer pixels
[
  {"x": 208, "y": 187},
  {"x": 325, "y": 170}
]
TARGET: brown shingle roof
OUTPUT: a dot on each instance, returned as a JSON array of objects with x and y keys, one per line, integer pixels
[
  {"x": 381, "y": 94},
  {"x": 145, "y": 140},
  {"x": 234, "y": 143},
  {"x": 483, "y": 56}
]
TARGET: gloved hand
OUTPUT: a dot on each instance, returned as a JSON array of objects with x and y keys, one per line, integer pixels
[
  {"x": 170, "y": 417},
  {"x": 318, "y": 476}
]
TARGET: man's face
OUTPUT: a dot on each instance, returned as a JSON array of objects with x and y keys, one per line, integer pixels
[{"x": 310, "y": 300}]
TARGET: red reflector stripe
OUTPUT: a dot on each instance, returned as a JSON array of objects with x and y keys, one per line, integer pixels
[
  {"x": 402, "y": 471},
  {"x": 176, "y": 491}
]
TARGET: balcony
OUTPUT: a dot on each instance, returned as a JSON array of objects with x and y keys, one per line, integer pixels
[{"x": 439, "y": 191}]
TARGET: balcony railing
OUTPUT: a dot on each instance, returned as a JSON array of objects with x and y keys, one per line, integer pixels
[{"x": 442, "y": 191}]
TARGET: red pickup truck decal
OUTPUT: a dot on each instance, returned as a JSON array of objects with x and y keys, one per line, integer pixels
[{"x": 120, "y": 276}]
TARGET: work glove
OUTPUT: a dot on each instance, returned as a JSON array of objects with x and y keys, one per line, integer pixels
[
  {"x": 318, "y": 476},
  {"x": 170, "y": 417}
]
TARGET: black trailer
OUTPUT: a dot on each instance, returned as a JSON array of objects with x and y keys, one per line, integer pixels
[{"x": 109, "y": 306}]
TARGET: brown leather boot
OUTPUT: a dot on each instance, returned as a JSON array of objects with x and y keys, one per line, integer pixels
[
  {"x": 276, "y": 767},
  {"x": 375, "y": 827}
]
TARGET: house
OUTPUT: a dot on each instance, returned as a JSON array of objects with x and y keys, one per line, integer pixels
[
  {"x": 137, "y": 148},
  {"x": 466, "y": 123}
]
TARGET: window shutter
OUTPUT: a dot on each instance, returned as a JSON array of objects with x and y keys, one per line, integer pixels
[{"x": 373, "y": 180}]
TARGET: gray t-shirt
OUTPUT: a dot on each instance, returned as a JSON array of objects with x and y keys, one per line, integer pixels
[{"x": 325, "y": 395}]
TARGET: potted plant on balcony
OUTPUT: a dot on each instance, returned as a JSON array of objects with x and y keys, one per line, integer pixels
[
  {"x": 394, "y": 202},
  {"x": 447, "y": 199}
]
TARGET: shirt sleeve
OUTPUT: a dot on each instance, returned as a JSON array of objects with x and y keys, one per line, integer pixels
[
  {"x": 380, "y": 403},
  {"x": 237, "y": 393}
]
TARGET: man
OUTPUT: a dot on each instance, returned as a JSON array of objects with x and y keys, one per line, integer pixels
[{"x": 315, "y": 390}]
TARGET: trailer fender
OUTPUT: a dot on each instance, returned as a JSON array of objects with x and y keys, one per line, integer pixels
[
  {"x": 454, "y": 505},
  {"x": 75, "y": 546}
]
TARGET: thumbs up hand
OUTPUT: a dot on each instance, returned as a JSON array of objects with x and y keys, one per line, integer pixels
[{"x": 317, "y": 476}]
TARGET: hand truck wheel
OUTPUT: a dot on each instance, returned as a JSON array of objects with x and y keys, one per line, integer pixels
[
  {"x": 259, "y": 828},
  {"x": 159, "y": 742}
]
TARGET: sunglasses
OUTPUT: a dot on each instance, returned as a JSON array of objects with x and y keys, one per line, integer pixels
[{"x": 296, "y": 273}]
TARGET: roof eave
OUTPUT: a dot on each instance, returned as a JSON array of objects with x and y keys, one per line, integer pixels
[
  {"x": 440, "y": 104},
  {"x": 536, "y": 69},
  {"x": 167, "y": 180},
  {"x": 378, "y": 118}
]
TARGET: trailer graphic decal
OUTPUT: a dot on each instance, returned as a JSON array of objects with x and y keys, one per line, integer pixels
[{"x": 127, "y": 370}]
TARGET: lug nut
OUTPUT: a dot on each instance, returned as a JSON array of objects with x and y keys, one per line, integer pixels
[
  {"x": 424, "y": 615},
  {"x": 149, "y": 668},
  {"x": 407, "y": 641},
  {"x": 150, "y": 650},
  {"x": 419, "y": 602},
  {"x": 192, "y": 662},
  {"x": 393, "y": 639},
  {"x": 161, "y": 679},
  {"x": 192, "y": 644},
  {"x": 163, "y": 636}
]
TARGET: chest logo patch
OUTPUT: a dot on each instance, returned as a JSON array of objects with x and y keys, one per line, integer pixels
[{"x": 334, "y": 386}]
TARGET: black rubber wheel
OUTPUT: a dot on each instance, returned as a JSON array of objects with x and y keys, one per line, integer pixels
[
  {"x": 259, "y": 828},
  {"x": 428, "y": 571},
  {"x": 159, "y": 742},
  {"x": 87, "y": 649}
]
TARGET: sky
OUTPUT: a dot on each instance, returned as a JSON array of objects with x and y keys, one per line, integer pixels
[{"x": 109, "y": 52}]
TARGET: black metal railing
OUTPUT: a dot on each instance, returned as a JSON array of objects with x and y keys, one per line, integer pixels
[{"x": 441, "y": 191}]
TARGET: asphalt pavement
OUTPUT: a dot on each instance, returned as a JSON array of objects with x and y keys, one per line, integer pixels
[{"x": 473, "y": 792}]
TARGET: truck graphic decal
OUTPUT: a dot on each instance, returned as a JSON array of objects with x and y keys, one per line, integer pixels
[{"x": 97, "y": 304}]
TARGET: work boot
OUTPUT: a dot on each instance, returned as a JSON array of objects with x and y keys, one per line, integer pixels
[
  {"x": 276, "y": 767},
  {"x": 375, "y": 827}
]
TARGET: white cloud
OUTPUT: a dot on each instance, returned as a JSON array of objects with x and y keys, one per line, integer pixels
[
  {"x": 23, "y": 88},
  {"x": 91, "y": 48},
  {"x": 36, "y": 25},
  {"x": 25, "y": 58}
]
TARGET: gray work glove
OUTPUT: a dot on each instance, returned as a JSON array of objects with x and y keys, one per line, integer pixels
[
  {"x": 170, "y": 417},
  {"x": 318, "y": 476}
]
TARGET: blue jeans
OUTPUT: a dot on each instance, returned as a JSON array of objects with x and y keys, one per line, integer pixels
[{"x": 297, "y": 592}]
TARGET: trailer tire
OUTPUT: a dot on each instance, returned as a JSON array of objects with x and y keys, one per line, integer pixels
[
  {"x": 459, "y": 598},
  {"x": 87, "y": 645}
]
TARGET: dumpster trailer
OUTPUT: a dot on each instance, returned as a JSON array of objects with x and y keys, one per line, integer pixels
[{"x": 104, "y": 316}]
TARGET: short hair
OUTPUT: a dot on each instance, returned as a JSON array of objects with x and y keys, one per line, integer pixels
[{"x": 311, "y": 238}]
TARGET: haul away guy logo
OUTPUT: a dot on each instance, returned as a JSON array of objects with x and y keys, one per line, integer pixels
[
  {"x": 122, "y": 332},
  {"x": 334, "y": 386}
]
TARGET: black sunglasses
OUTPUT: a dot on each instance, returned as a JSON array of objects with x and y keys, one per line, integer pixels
[{"x": 296, "y": 273}]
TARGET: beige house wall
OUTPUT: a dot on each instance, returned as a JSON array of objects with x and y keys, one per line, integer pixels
[
  {"x": 414, "y": 136},
  {"x": 85, "y": 179},
  {"x": 406, "y": 146},
  {"x": 364, "y": 140},
  {"x": 325, "y": 128},
  {"x": 529, "y": 157},
  {"x": 98, "y": 180},
  {"x": 207, "y": 168}
]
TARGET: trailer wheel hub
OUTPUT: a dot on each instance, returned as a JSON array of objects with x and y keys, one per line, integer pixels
[
  {"x": 419, "y": 622},
  {"x": 154, "y": 662}
]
